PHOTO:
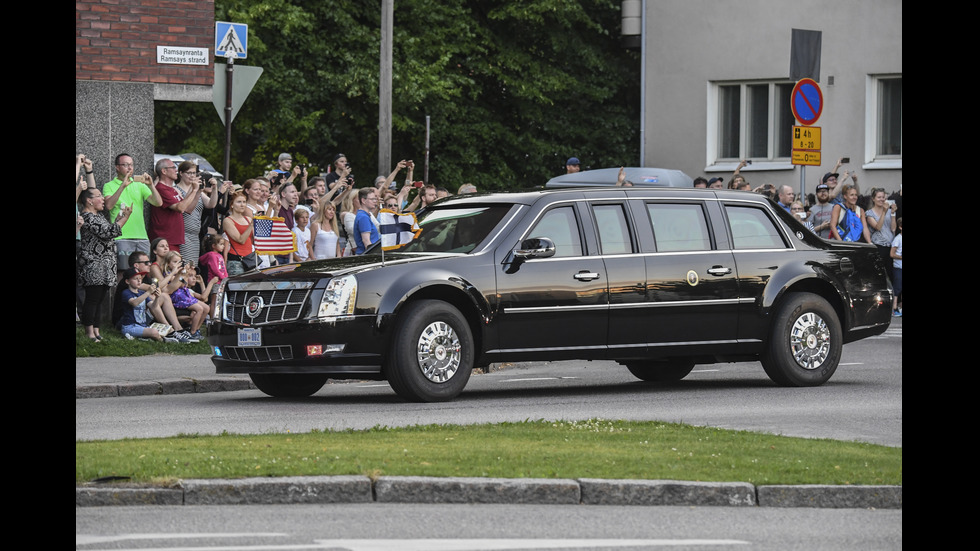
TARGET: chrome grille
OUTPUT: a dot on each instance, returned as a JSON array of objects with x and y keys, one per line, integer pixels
[
  {"x": 277, "y": 305},
  {"x": 257, "y": 353}
]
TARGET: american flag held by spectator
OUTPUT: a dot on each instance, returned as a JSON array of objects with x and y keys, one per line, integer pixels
[
  {"x": 397, "y": 229},
  {"x": 272, "y": 236}
]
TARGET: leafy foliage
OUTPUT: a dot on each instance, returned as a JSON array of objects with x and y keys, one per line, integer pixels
[{"x": 512, "y": 89}]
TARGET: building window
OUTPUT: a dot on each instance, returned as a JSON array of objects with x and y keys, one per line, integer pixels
[
  {"x": 884, "y": 121},
  {"x": 754, "y": 121}
]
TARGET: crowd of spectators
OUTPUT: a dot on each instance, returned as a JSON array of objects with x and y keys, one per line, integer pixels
[{"x": 165, "y": 241}]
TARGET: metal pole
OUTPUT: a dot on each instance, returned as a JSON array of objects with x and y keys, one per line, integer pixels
[
  {"x": 384, "y": 88},
  {"x": 425, "y": 174},
  {"x": 802, "y": 196},
  {"x": 229, "y": 73}
]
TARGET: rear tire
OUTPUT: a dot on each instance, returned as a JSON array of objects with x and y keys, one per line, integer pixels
[
  {"x": 289, "y": 385},
  {"x": 432, "y": 352},
  {"x": 805, "y": 342},
  {"x": 660, "y": 371}
]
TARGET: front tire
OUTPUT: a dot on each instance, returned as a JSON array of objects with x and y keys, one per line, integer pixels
[
  {"x": 432, "y": 352},
  {"x": 660, "y": 371},
  {"x": 805, "y": 342},
  {"x": 289, "y": 385}
]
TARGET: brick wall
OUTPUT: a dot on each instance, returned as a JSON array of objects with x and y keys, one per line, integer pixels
[{"x": 117, "y": 40}]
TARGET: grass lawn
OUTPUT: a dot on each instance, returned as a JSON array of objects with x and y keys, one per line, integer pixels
[{"x": 532, "y": 449}]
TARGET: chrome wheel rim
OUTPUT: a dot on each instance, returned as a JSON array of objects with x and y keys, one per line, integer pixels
[
  {"x": 439, "y": 352},
  {"x": 809, "y": 341}
]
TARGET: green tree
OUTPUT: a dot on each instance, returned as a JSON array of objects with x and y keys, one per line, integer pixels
[{"x": 512, "y": 89}]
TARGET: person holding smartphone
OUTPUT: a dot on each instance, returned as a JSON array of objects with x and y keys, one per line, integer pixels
[{"x": 129, "y": 190}]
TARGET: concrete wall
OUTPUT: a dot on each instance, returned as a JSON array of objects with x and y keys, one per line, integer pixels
[
  {"x": 112, "y": 118},
  {"x": 692, "y": 43}
]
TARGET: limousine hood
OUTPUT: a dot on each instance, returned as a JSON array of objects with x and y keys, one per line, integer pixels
[{"x": 333, "y": 267}]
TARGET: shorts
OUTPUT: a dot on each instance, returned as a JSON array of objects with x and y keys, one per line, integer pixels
[
  {"x": 135, "y": 330},
  {"x": 126, "y": 247},
  {"x": 897, "y": 280}
]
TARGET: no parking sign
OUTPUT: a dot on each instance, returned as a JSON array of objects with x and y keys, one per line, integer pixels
[{"x": 807, "y": 101}]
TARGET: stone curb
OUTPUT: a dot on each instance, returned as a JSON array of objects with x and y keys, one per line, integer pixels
[
  {"x": 424, "y": 489},
  {"x": 288, "y": 489},
  {"x": 831, "y": 497},
  {"x": 411, "y": 489},
  {"x": 666, "y": 492},
  {"x": 168, "y": 386}
]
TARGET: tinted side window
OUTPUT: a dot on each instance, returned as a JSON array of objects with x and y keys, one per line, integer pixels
[
  {"x": 753, "y": 229},
  {"x": 559, "y": 225},
  {"x": 679, "y": 227},
  {"x": 614, "y": 233}
]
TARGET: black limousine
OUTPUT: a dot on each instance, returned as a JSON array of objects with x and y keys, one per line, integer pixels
[{"x": 658, "y": 280}]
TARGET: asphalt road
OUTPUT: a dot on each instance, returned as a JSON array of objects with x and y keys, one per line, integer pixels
[
  {"x": 863, "y": 401},
  {"x": 461, "y": 527}
]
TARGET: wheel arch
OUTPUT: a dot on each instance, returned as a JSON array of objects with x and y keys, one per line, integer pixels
[
  {"x": 450, "y": 289},
  {"x": 818, "y": 282}
]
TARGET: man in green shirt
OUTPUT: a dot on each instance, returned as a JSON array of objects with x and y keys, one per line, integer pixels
[{"x": 126, "y": 190}]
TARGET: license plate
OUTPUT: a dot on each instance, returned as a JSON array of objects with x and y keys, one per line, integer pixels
[{"x": 250, "y": 336}]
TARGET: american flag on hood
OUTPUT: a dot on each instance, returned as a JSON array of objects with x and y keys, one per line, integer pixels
[
  {"x": 272, "y": 236},
  {"x": 396, "y": 229}
]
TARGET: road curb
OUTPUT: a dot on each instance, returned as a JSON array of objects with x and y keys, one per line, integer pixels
[
  {"x": 165, "y": 386},
  {"x": 424, "y": 489},
  {"x": 666, "y": 492},
  {"x": 411, "y": 489},
  {"x": 831, "y": 497}
]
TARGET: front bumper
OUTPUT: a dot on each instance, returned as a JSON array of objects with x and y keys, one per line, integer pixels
[{"x": 284, "y": 348}]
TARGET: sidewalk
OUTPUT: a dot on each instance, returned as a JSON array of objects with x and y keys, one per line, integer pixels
[{"x": 149, "y": 375}]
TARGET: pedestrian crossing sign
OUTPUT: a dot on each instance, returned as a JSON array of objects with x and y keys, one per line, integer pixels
[{"x": 230, "y": 40}]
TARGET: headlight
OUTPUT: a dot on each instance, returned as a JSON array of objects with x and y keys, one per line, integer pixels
[
  {"x": 219, "y": 299},
  {"x": 338, "y": 299}
]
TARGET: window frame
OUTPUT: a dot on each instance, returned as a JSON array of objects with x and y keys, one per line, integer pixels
[
  {"x": 872, "y": 124},
  {"x": 713, "y": 160}
]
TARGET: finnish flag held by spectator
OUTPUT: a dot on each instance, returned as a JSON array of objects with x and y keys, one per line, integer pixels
[{"x": 397, "y": 229}]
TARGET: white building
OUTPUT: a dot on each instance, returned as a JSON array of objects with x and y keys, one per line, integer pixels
[{"x": 717, "y": 86}]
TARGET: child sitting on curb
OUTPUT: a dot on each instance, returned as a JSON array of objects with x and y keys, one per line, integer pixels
[{"x": 134, "y": 319}]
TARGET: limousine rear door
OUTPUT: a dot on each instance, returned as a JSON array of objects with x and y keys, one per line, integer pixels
[{"x": 692, "y": 285}]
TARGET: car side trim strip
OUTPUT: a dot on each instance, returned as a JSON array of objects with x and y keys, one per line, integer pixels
[{"x": 620, "y": 306}]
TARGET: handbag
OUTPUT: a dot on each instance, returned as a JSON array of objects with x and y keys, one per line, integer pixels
[{"x": 239, "y": 264}]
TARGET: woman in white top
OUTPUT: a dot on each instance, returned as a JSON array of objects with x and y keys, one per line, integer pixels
[{"x": 326, "y": 242}]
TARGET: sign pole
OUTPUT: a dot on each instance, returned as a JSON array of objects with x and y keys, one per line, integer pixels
[
  {"x": 230, "y": 42},
  {"x": 229, "y": 74}
]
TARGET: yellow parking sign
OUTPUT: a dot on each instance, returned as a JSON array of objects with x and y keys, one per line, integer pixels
[
  {"x": 801, "y": 157},
  {"x": 806, "y": 137},
  {"x": 806, "y": 145}
]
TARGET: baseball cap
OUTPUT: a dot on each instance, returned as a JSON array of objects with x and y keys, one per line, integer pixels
[
  {"x": 828, "y": 175},
  {"x": 285, "y": 157},
  {"x": 572, "y": 161}
]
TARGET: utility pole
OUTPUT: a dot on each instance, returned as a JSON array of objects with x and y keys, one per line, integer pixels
[{"x": 384, "y": 88}]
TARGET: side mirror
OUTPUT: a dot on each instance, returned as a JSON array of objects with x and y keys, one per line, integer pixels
[{"x": 535, "y": 247}]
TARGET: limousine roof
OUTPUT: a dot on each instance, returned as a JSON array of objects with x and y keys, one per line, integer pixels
[
  {"x": 639, "y": 176},
  {"x": 532, "y": 196}
]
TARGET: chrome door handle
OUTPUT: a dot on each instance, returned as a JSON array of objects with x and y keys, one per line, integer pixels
[
  {"x": 586, "y": 276},
  {"x": 719, "y": 271}
]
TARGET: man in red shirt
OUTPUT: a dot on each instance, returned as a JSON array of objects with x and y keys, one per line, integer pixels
[{"x": 167, "y": 220}]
